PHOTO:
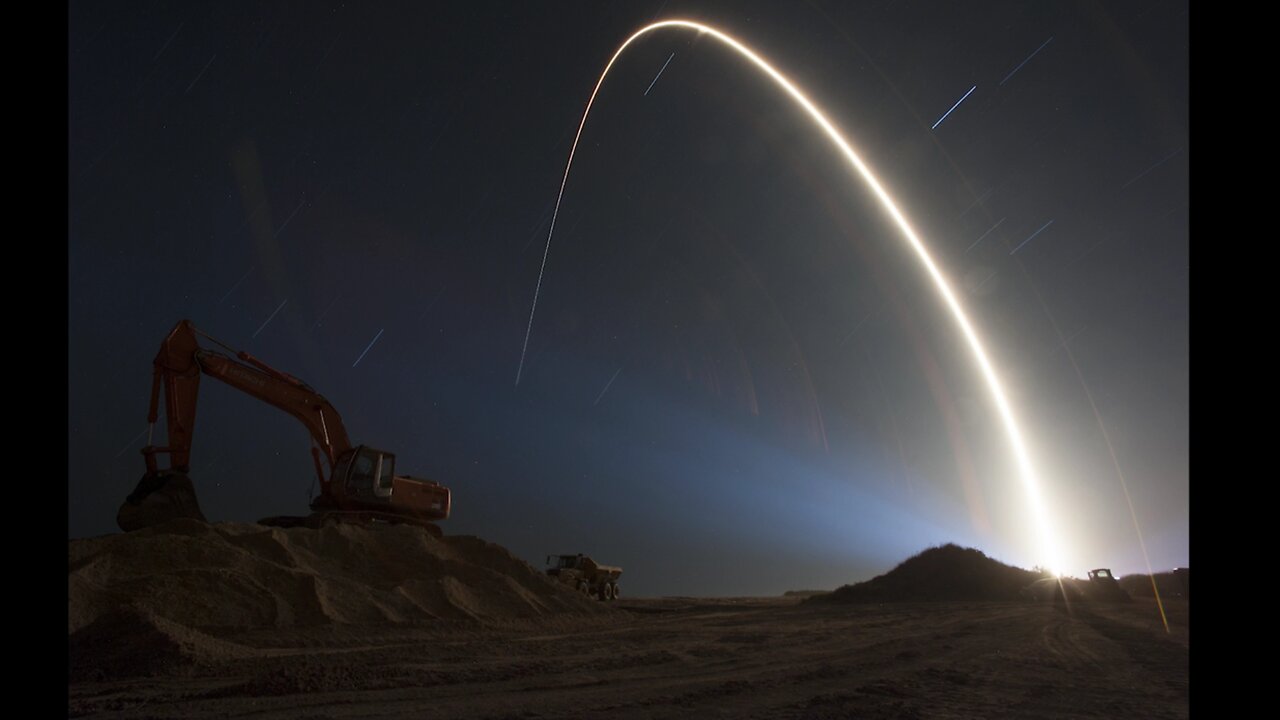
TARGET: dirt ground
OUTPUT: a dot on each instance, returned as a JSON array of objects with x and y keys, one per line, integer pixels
[{"x": 686, "y": 657}]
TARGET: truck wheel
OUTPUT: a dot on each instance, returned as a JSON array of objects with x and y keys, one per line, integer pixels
[
  {"x": 602, "y": 593},
  {"x": 584, "y": 588},
  {"x": 616, "y": 592}
]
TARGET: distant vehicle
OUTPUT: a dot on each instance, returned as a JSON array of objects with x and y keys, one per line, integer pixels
[
  {"x": 1104, "y": 586},
  {"x": 585, "y": 575}
]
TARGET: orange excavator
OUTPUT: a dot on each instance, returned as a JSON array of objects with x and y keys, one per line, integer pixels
[{"x": 361, "y": 485}]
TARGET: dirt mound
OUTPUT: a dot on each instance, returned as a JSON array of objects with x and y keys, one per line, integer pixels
[
  {"x": 949, "y": 572},
  {"x": 804, "y": 593},
  {"x": 228, "y": 577},
  {"x": 131, "y": 642}
]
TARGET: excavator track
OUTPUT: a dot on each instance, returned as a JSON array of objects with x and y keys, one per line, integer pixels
[{"x": 357, "y": 517}]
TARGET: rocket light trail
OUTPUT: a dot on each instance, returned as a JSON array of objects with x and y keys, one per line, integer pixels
[
  {"x": 993, "y": 227},
  {"x": 295, "y": 212},
  {"x": 131, "y": 442},
  {"x": 166, "y": 42},
  {"x": 1124, "y": 485},
  {"x": 1106, "y": 436},
  {"x": 953, "y": 107},
  {"x": 1024, "y": 62},
  {"x": 326, "y": 310},
  {"x": 655, "y": 77},
  {"x": 1064, "y": 343},
  {"x": 861, "y": 322},
  {"x": 606, "y": 387},
  {"x": 1049, "y": 549},
  {"x": 206, "y": 67},
  {"x": 233, "y": 287},
  {"x": 1033, "y": 235},
  {"x": 366, "y": 350},
  {"x": 431, "y": 304},
  {"x": 273, "y": 315},
  {"x": 974, "y": 204},
  {"x": 1143, "y": 174}
]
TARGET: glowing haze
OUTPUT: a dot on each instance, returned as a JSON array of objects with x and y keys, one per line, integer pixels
[{"x": 1049, "y": 550}]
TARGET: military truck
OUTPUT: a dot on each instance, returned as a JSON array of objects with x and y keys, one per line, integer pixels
[
  {"x": 1104, "y": 586},
  {"x": 585, "y": 575}
]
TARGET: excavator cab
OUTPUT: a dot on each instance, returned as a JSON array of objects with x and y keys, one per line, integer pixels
[
  {"x": 366, "y": 474},
  {"x": 364, "y": 483}
]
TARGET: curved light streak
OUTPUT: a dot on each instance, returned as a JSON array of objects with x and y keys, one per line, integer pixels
[{"x": 1048, "y": 547}]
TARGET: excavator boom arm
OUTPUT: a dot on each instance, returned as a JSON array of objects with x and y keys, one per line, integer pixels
[{"x": 178, "y": 367}]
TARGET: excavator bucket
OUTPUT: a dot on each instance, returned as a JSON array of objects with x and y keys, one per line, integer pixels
[{"x": 159, "y": 497}]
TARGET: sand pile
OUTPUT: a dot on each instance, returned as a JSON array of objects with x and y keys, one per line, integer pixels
[
  {"x": 131, "y": 642},
  {"x": 949, "y": 572},
  {"x": 186, "y": 576}
]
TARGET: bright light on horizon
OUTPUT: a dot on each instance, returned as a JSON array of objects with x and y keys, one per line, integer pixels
[{"x": 1049, "y": 550}]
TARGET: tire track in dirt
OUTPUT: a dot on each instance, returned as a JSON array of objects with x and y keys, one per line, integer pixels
[
  {"x": 715, "y": 659},
  {"x": 1061, "y": 637},
  {"x": 1162, "y": 657}
]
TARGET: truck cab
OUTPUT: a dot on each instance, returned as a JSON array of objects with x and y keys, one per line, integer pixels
[
  {"x": 1104, "y": 586},
  {"x": 563, "y": 562},
  {"x": 585, "y": 575}
]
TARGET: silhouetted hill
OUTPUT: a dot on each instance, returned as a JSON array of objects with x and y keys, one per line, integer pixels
[
  {"x": 1171, "y": 584},
  {"x": 948, "y": 572},
  {"x": 804, "y": 593}
]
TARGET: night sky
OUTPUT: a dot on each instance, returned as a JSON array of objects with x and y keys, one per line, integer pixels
[{"x": 738, "y": 380}]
